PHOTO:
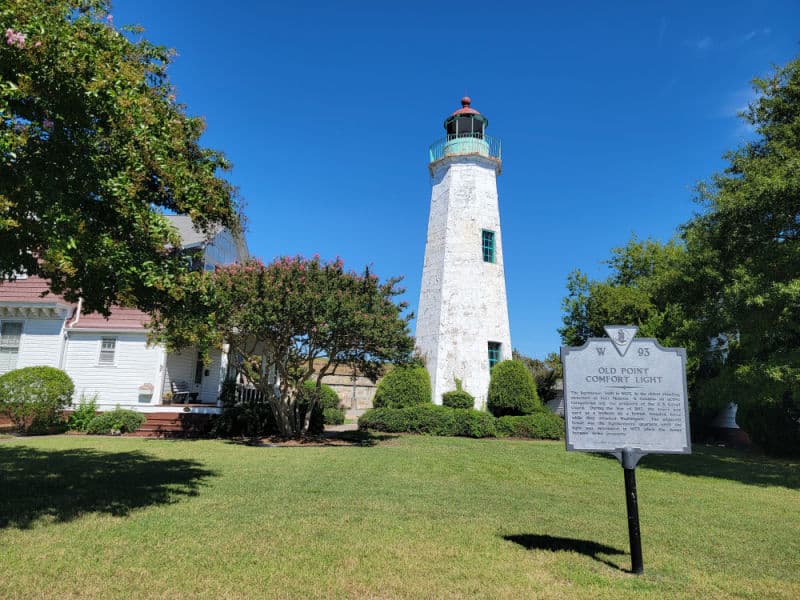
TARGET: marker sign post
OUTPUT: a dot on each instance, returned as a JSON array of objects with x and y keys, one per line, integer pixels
[{"x": 626, "y": 396}]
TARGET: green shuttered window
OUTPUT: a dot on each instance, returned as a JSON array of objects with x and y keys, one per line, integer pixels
[
  {"x": 494, "y": 353},
  {"x": 487, "y": 244}
]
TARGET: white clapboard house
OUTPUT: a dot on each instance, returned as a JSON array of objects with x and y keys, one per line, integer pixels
[{"x": 109, "y": 357}]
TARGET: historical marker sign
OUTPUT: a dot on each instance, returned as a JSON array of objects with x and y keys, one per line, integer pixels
[
  {"x": 628, "y": 397},
  {"x": 623, "y": 392}
]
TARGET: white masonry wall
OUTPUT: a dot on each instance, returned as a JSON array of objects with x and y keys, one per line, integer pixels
[{"x": 462, "y": 303}]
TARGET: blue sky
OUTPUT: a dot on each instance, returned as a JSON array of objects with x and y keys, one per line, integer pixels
[{"x": 609, "y": 113}]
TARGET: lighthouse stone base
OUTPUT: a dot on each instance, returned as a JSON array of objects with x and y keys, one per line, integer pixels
[{"x": 463, "y": 298}]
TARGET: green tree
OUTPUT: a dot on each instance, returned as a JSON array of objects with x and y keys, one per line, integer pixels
[
  {"x": 748, "y": 239},
  {"x": 93, "y": 149},
  {"x": 543, "y": 373},
  {"x": 642, "y": 289},
  {"x": 729, "y": 289},
  {"x": 289, "y": 322}
]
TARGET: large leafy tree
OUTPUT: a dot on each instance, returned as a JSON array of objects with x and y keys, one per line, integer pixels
[
  {"x": 749, "y": 237},
  {"x": 93, "y": 149},
  {"x": 729, "y": 289},
  {"x": 289, "y": 322},
  {"x": 643, "y": 289}
]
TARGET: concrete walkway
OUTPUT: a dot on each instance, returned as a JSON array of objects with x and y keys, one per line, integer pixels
[{"x": 345, "y": 427}]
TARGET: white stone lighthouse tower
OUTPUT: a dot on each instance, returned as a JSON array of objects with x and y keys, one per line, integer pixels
[{"x": 462, "y": 322}]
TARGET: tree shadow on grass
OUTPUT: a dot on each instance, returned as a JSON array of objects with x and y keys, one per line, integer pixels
[
  {"x": 744, "y": 466},
  {"x": 588, "y": 548},
  {"x": 62, "y": 485},
  {"x": 329, "y": 438}
]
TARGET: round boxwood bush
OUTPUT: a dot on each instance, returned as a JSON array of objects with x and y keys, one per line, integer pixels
[
  {"x": 119, "y": 420},
  {"x": 402, "y": 387},
  {"x": 458, "y": 399},
  {"x": 328, "y": 407},
  {"x": 34, "y": 397},
  {"x": 512, "y": 390}
]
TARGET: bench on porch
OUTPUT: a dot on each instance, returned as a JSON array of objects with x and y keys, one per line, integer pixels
[{"x": 181, "y": 392}]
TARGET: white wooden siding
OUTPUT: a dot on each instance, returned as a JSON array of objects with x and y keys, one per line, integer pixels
[
  {"x": 40, "y": 344},
  {"x": 181, "y": 367},
  {"x": 135, "y": 364}
]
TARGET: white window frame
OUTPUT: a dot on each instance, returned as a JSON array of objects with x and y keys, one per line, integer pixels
[
  {"x": 19, "y": 341},
  {"x": 105, "y": 351}
]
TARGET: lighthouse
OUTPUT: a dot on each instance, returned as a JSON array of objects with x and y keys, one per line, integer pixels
[{"x": 462, "y": 322}]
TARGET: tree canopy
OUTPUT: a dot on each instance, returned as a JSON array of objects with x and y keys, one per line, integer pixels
[
  {"x": 289, "y": 322},
  {"x": 94, "y": 148},
  {"x": 728, "y": 289}
]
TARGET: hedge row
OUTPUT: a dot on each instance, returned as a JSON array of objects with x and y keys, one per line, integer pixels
[{"x": 441, "y": 420}]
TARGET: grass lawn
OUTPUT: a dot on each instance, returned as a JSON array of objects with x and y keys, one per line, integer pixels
[{"x": 410, "y": 517}]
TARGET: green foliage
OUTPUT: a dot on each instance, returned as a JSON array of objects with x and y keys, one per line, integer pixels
[
  {"x": 245, "y": 413},
  {"x": 34, "y": 397},
  {"x": 512, "y": 390},
  {"x": 647, "y": 280},
  {"x": 94, "y": 148},
  {"x": 429, "y": 419},
  {"x": 329, "y": 402},
  {"x": 543, "y": 374},
  {"x": 326, "y": 406},
  {"x": 542, "y": 425},
  {"x": 312, "y": 314},
  {"x": 119, "y": 420},
  {"x": 458, "y": 399},
  {"x": 773, "y": 423},
  {"x": 81, "y": 417},
  {"x": 402, "y": 387},
  {"x": 333, "y": 416},
  {"x": 729, "y": 290}
]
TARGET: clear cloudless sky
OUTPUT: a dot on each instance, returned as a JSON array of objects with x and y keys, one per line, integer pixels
[{"x": 609, "y": 113}]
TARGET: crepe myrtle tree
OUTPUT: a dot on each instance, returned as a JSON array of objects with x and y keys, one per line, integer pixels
[
  {"x": 291, "y": 321},
  {"x": 94, "y": 150}
]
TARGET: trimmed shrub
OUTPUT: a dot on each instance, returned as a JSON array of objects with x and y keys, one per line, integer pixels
[
  {"x": 81, "y": 417},
  {"x": 327, "y": 411},
  {"x": 512, "y": 390},
  {"x": 34, "y": 397},
  {"x": 474, "y": 423},
  {"x": 402, "y": 387},
  {"x": 333, "y": 416},
  {"x": 542, "y": 425},
  {"x": 458, "y": 399},
  {"x": 429, "y": 419},
  {"x": 329, "y": 402},
  {"x": 118, "y": 420}
]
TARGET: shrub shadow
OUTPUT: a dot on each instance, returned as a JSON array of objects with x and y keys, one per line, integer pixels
[
  {"x": 744, "y": 466},
  {"x": 328, "y": 439},
  {"x": 588, "y": 548},
  {"x": 62, "y": 485}
]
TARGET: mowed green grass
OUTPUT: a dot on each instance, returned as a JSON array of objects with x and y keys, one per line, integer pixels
[{"x": 410, "y": 517}]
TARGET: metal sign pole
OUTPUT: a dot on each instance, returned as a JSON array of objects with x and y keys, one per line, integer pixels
[
  {"x": 629, "y": 461},
  {"x": 627, "y": 396}
]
